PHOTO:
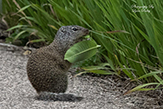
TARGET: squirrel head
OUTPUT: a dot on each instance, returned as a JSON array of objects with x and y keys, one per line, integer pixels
[{"x": 69, "y": 35}]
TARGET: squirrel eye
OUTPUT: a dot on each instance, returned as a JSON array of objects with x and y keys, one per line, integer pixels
[{"x": 75, "y": 29}]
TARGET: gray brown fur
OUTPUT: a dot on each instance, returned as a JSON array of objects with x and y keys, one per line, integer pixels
[{"x": 46, "y": 67}]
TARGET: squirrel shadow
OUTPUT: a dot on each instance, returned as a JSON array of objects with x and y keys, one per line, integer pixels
[{"x": 58, "y": 97}]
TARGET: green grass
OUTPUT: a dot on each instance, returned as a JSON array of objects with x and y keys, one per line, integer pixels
[{"x": 137, "y": 52}]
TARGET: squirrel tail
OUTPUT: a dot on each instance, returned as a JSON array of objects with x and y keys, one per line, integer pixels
[{"x": 49, "y": 96}]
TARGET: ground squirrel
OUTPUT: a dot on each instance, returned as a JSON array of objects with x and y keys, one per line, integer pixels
[{"x": 46, "y": 67}]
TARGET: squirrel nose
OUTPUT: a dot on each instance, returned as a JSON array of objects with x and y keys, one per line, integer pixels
[{"x": 86, "y": 31}]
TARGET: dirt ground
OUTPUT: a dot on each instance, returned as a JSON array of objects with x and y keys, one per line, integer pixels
[{"x": 104, "y": 92}]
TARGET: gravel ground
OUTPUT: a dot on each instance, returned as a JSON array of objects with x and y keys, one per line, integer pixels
[{"x": 16, "y": 91}]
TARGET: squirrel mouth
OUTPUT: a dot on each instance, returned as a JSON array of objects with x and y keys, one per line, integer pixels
[
  {"x": 86, "y": 31},
  {"x": 80, "y": 39}
]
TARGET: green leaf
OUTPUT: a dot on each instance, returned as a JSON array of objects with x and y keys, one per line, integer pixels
[
  {"x": 147, "y": 75},
  {"x": 14, "y": 27},
  {"x": 140, "y": 87},
  {"x": 87, "y": 36},
  {"x": 94, "y": 68},
  {"x": 37, "y": 40},
  {"x": 109, "y": 62},
  {"x": 24, "y": 8},
  {"x": 103, "y": 72},
  {"x": 82, "y": 50},
  {"x": 19, "y": 34},
  {"x": 158, "y": 79}
]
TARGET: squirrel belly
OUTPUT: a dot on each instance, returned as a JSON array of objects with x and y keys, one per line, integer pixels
[{"x": 47, "y": 71}]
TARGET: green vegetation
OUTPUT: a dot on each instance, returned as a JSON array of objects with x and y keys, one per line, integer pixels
[
  {"x": 81, "y": 51},
  {"x": 0, "y": 6},
  {"x": 135, "y": 51}
]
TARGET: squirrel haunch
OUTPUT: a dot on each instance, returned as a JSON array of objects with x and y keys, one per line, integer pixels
[{"x": 46, "y": 67}]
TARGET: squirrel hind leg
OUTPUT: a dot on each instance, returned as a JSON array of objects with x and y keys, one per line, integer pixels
[{"x": 49, "y": 96}]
